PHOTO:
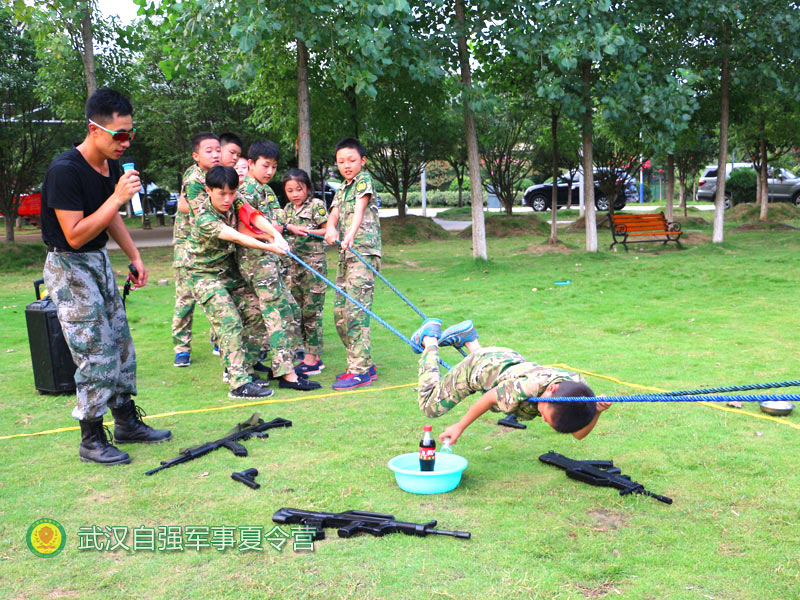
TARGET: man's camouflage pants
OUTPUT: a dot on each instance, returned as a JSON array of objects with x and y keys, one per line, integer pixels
[
  {"x": 309, "y": 294},
  {"x": 95, "y": 327},
  {"x": 262, "y": 271},
  {"x": 232, "y": 309},
  {"x": 352, "y": 324}
]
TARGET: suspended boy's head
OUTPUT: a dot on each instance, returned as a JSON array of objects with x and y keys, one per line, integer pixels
[
  {"x": 262, "y": 158},
  {"x": 206, "y": 150},
  {"x": 350, "y": 158},
  {"x": 567, "y": 417},
  {"x": 231, "y": 146},
  {"x": 221, "y": 185}
]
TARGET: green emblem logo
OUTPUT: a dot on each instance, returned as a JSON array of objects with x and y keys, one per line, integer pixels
[
  {"x": 46, "y": 538},
  {"x": 361, "y": 186}
]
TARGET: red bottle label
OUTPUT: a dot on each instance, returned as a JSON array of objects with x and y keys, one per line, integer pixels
[{"x": 427, "y": 453}]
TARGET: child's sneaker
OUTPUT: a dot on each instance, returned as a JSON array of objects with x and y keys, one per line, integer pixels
[
  {"x": 260, "y": 367},
  {"x": 182, "y": 359},
  {"x": 215, "y": 350},
  {"x": 250, "y": 390},
  {"x": 350, "y": 381},
  {"x": 459, "y": 334},
  {"x": 430, "y": 328},
  {"x": 373, "y": 373},
  {"x": 304, "y": 369},
  {"x": 302, "y": 384}
]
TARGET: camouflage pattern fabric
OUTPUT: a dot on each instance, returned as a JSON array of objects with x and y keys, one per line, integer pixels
[
  {"x": 367, "y": 240},
  {"x": 488, "y": 368},
  {"x": 95, "y": 327},
  {"x": 262, "y": 271},
  {"x": 309, "y": 294},
  {"x": 229, "y": 305},
  {"x": 207, "y": 252},
  {"x": 261, "y": 197},
  {"x": 307, "y": 290},
  {"x": 183, "y": 315},
  {"x": 193, "y": 189},
  {"x": 352, "y": 324}
]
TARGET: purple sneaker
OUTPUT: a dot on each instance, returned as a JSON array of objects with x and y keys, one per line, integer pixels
[{"x": 351, "y": 381}]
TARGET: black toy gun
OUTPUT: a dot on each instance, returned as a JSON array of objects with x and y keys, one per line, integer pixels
[
  {"x": 602, "y": 473},
  {"x": 355, "y": 521},
  {"x": 231, "y": 442}
]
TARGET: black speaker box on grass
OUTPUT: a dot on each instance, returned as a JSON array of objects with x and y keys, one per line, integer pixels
[{"x": 53, "y": 369}]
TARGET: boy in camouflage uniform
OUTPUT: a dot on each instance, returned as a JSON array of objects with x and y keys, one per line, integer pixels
[
  {"x": 206, "y": 154},
  {"x": 82, "y": 193},
  {"x": 263, "y": 271},
  {"x": 227, "y": 300},
  {"x": 306, "y": 214},
  {"x": 505, "y": 380},
  {"x": 354, "y": 220}
]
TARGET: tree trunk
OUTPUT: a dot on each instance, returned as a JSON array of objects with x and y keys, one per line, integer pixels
[
  {"x": 588, "y": 172},
  {"x": 554, "y": 197},
  {"x": 476, "y": 191},
  {"x": 725, "y": 76},
  {"x": 9, "y": 228},
  {"x": 764, "y": 182},
  {"x": 670, "y": 186},
  {"x": 88, "y": 49},
  {"x": 303, "y": 112},
  {"x": 352, "y": 100},
  {"x": 402, "y": 197}
]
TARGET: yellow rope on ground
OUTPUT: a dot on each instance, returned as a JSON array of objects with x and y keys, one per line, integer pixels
[
  {"x": 655, "y": 389},
  {"x": 397, "y": 387},
  {"x": 225, "y": 407}
]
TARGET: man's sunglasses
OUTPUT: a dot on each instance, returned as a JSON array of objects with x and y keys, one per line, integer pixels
[{"x": 117, "y": 136}]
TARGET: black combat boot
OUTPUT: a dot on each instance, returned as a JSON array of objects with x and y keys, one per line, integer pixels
[
  {"x": 95, "y": 446},
  {"x": 130, "y": 429}
]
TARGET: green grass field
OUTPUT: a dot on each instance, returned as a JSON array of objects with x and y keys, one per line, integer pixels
[{"x": 675, "y": 319}]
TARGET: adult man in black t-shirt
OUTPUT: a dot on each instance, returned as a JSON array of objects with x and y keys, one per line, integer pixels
[{"x": 81, "y": 197}]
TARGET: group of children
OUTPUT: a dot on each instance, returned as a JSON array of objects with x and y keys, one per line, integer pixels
[{"x": 230, "y": 238}]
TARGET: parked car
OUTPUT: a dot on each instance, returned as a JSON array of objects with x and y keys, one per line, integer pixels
[
  {"x": 782, "y": 185},
  {"x": 331, "y": 187},
  {"x": 539, "y": 197},
  {"x": 171, "y": 206}
]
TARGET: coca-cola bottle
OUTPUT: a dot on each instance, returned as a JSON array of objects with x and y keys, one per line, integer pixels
[{"x": 427, "y": 450}]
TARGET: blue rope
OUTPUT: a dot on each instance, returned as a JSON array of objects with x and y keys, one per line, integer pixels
[
  {"x": 339, "y": 290},
  {"x": 666, "y": 398},
  {"x": 386, "y": 281},
  {"x": 734, "y": 388}
]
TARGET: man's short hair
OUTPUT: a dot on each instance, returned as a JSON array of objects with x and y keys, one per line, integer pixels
[
  {"x": 263, "y": 149},
  {"x": 353, "y": 143},
  {"x": 105, "y": 103},
  {"x": 569, "y": 417},
  {"x": 230, "y": 138},
  {"x": 219, "y": 177},
  {"x": 203, "y": 135}
]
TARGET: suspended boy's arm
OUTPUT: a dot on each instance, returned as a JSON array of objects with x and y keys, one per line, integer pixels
[
  {"x": 483, "y": 404},
  {"x": 582, "y": 433},
  {"x": 358, "y": 216},
  {"x": 331, "y": 235},
  {"x": 229, "y": 234}
]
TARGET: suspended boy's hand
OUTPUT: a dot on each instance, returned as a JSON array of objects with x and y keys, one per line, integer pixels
[
  {"x": 451, "y": 432},
  {"x": 331, "y": 236},
  {"x": 347, "y": 242}
]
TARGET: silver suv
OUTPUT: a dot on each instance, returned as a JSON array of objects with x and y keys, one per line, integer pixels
[{"x": 782, "y": 185}]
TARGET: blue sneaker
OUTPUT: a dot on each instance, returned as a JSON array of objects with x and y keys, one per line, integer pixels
[
  {"x": 459, "y": 334},
  {"x": 304, "y": 369},
  {"x": 373, "y": 373},
  {"x": 215, "y": 350},
  {"x": 431, "y": 327},
  {"x": 351, "y": 381},
  {"x": 182, "y": 359}
]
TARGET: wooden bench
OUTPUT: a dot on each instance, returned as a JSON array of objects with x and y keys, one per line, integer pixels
[{"x": 634, "y": 228}]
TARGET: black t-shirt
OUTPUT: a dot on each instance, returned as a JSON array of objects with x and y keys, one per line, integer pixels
[{"x": 72, "y": 184}]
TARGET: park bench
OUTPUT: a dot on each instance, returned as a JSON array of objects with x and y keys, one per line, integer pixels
[{"x": 635, "y": 228}]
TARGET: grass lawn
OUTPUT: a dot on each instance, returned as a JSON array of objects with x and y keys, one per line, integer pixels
[{"x": 676, "y": 319}]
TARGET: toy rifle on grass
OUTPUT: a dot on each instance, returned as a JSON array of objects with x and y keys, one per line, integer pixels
[
  {"x": 601, "y": 473},
  {"x": 253, "y": 427},
  {"x": 355, "y": 521}
]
